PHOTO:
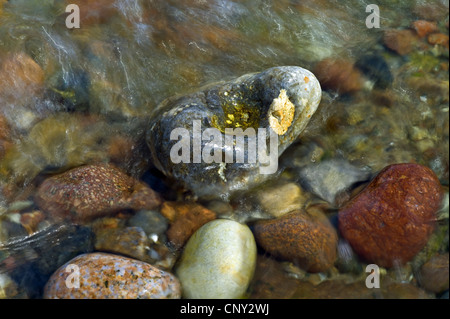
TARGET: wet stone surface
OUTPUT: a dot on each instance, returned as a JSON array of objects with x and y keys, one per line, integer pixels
[
  {"x": 250, "y": 101},
  {"x": 391, "y": 220},
  {"x": 107, "y": 276}
]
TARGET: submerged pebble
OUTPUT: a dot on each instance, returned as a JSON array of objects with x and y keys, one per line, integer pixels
[
  {"x": 391, "y": 220},
  {"x": 280, "y": 100},
  {"x": 329, "y": 178},
  {"x": 218, "y": 261},
  {"x": 433, "y": 275},
  {"x": 306, "y": 238},
  {"x": 90, "y": 191},
  {"x": 107, "y": 276},
  {"x": 185, "y": 219}
]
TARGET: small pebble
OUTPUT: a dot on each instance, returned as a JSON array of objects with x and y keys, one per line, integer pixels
[
  {"x": 434, "y": 274},
  {"x": 107, "y": 276},
  {"x": 306, "y": 238},
  {"x": 278, "y": 200},
  {"x": 218, "y": 261},
  {"x": 400, "y": 41},
  {"x": 185, "y": 219},
  {"x": 423, "y": 27}
]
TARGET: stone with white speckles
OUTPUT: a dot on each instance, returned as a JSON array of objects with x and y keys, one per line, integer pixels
[
  {"x": 107, "y": 276},
  {"x": 218, "y": 261}
]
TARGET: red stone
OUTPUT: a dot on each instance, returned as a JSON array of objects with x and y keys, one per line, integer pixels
[{"x": 391, "y": 220}]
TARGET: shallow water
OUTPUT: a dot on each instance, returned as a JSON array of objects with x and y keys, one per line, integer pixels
[{"x": 88, "y": 93}]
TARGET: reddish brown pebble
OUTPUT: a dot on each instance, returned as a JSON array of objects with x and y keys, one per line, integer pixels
[
  {"x": 438, "y": 39},
  {"x": 185, "y": 219},
  {"x": 391, "y": 220},
  {"x": 338, "y": 75},
  {"x": 108, "y": 276},
  {"x": 434, "y": 274},
  {"x": 91, "y": 191},
  {"x": 400, "y": 41},
  {"x": 423, "y": 27},
  {"x": 31, "y": 220},
  {"x": 305, "y": 238}
]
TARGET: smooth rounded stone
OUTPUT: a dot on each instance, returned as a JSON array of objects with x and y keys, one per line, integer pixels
[
  {"x": 391, "y": 219},
  {"x": 107, "y": 276},
  {"x": 277, "y": 102},
  {"x": 306, "y": 238},
  {"x": 218, "y": 261},
  {"x": 434, "y": 274},
  {"x": 91, "y": 191},
  {"x": 329, "y": 178}
]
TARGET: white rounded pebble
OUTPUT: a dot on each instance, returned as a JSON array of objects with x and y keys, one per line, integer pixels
[{"x": 218, "y": 261}]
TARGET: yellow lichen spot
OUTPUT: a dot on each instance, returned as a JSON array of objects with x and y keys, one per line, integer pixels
[
  {"x": 231, "y": 117},
  {"x": 281, "y": 113}
]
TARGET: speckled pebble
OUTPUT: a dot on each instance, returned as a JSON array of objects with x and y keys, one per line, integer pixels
[{"x": 107, "y": 276}]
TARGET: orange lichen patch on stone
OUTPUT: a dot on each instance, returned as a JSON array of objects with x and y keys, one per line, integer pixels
[
  {"x": 423, "y": 27},
  {"x": 91, "y": 191},
  {"x": 185, "y": 219},
  {"x": 400, "y": 41},
  {"x": 438, "y": 39},
  {"x": 391, "y": 220},
  {"x": 306, "y": 238}
]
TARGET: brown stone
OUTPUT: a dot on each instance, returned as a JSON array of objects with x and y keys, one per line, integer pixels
[
  {"x": 423, "y": 27},
  {"x": 391, "y": 220},
  {"x": 94, "y": 12},
  {"x": 400, "y": 41},
  {"x": 185, "y": 219},
  {"x": 129, "y": 241},
  {"x": 338, "y": 75},
  {"x": 434, "y": 274},
  {"x": 91, "y": 191},
  {"x": 306, "y": 238},
  {"x": 20, "y": 76},
  {"x": 438, "y": 39}
]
